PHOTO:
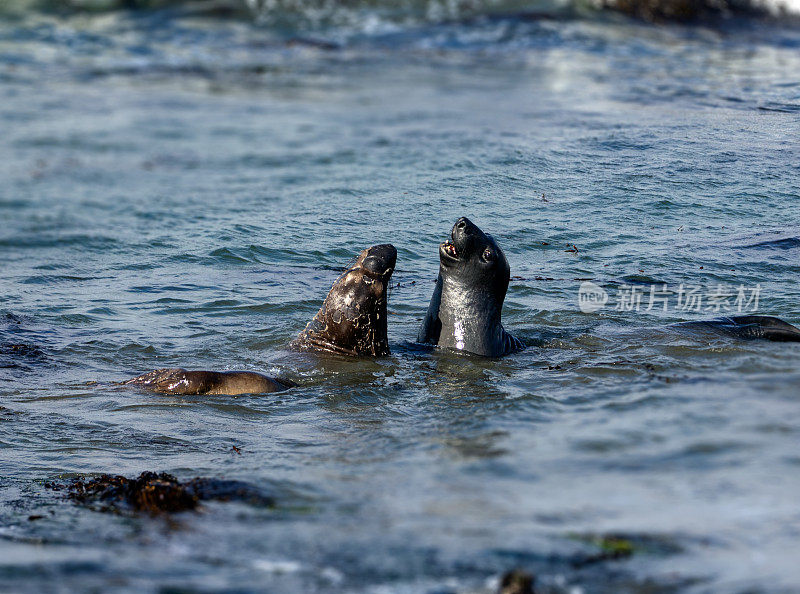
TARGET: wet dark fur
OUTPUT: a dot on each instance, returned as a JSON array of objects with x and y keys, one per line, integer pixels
[
  {"x": 180, "y": 381},
  {"x": 352, "y": 320}
]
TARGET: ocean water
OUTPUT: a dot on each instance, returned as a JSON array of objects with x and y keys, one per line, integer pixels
[{"x": 182, "y": 188}]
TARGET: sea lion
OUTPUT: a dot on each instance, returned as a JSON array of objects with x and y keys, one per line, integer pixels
[
  {"x": 751, "y": 328},
  {"x": 180, "y": 381},
  {"x": 467, "y": 303},
  {"x": 351, "y": 321}
]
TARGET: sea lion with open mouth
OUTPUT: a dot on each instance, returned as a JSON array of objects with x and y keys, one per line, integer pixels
[
  {"x": 464, "y": 313},
  {"x": 352, "y": 321}
]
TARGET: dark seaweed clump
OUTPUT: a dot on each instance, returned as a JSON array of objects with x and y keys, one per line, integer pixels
[
  {"x": 149, "y": 492},
  {"x": 516, "y": 581},
  {"x": 685, "y": 11},
  {"x": 210, "y": 8},
  {"x": 616, "y": 547},
  {"x": 156, "y": 493}
]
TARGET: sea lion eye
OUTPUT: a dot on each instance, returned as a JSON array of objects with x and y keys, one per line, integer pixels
[{"x": 488, "y": 255}]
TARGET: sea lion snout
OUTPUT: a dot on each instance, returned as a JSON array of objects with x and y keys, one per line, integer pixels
[
  {"x": 466, "y": 237},
  {"x": 464, "y": 225},
  {"x": 379, "y": 259}
]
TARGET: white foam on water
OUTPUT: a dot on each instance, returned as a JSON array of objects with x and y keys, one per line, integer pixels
[
  {"x": 782, "y": 6},
  {"x": 277, "y": 566}
]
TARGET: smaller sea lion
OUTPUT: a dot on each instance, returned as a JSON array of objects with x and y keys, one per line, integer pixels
[
  {"x": 180, "y": 381},
  {"x": 465, "y": 309},
  {"x": 352, "y": 320}
]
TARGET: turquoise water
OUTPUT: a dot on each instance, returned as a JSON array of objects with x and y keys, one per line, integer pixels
[{"x": 182, "y": 191}]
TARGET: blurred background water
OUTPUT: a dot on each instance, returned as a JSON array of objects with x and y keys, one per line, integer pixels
[{"x": 182, "y": 182}]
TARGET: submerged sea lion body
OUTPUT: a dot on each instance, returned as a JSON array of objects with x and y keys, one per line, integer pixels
[
  {"x": 352, "y": 321},
  {"x": 467, "y": 303},
  {"x": 180, "y": 381},
  {"x": 751, "y": 328}
]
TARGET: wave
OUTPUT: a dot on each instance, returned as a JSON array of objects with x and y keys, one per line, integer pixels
[{"x": 405, "y": 12}]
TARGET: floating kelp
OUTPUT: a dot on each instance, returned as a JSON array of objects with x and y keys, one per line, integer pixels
[
  {"x": 616, "y": 547},
  {"x": 210, "y": 8},
  {"x": 156, "y": 493},
  {"x": 685, "y": 11}
]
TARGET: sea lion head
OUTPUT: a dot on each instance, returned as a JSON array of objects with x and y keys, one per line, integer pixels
[
  {"x": 352, "y": 320},
  {"x": 472, "y": 259}
]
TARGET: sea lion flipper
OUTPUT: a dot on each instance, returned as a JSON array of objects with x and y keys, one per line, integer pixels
[
  {"x": 762, "y": 327},
  {"x": 513, "y": 344},
  {"x": 431, "y": 327}
]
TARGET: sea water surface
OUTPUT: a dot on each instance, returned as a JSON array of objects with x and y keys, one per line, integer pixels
[{"x": 180, "y": 189}]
